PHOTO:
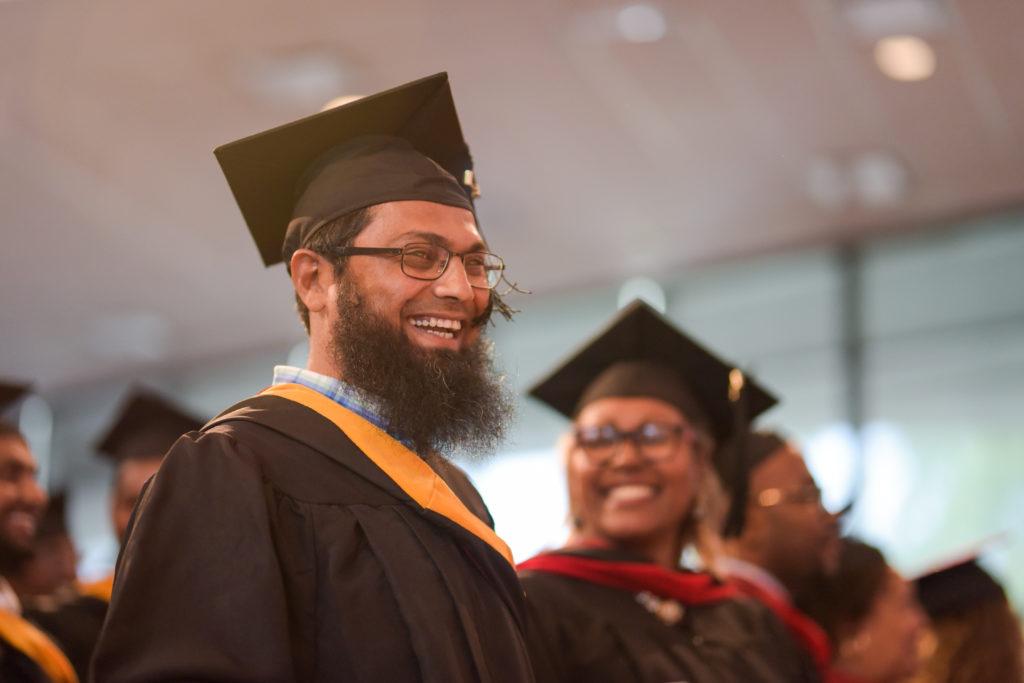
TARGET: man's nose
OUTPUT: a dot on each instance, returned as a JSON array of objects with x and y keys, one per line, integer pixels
[{"x": 454, "y": 282}]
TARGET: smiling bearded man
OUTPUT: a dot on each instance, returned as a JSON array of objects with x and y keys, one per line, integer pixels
[
  {"x": 441, "y": 400},
  {"x": 26, "y": 653},
  {"x": 315, "y": 532}
]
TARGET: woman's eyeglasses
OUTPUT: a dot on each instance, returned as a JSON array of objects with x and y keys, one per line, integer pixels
[{"x": 655, "y": 441}]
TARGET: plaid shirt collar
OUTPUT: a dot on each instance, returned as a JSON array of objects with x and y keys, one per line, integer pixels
[{"x": 358, "y": 401}]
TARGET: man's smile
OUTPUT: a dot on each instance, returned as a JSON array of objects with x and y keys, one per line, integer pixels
[
  {"x": 446, "y": 328},
  {"x": 437, "y": 330}
]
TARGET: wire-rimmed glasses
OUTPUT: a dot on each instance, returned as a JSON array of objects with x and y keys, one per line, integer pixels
[{"x": 426, "y": 261}]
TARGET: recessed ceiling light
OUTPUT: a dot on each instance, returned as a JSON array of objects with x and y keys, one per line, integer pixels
[
  {"x": 641, "y": 23},
  {"x": 304, "y": 77},
  {"x": 881, "y": 179},
  {"x": 874, "y": 19},
  {"x": 905, "y": 58},
  {"x": 872, "y": 179}
]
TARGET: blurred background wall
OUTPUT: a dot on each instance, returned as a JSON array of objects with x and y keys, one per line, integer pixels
[{"x": 831, "y": 193}]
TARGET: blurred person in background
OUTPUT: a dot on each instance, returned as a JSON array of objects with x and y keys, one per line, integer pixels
[
  {"x": 777, "y": 535},
  {"x": 871, "y": 616},
  {"x": 26, "y": 653},
  {"x": 977, "y": 636},
  {"x": 317, "y": 531},
  {"x": 144, "y": 427},
  {"x": 47, "y": 577},
  {"x": 647, "y": 405}
]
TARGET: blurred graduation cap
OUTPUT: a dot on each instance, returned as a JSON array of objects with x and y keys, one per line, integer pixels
[
  {"x": 401, "y": 144},
  {"x": 146, "y": 426},
  {"x": 11, "y": 393},
  {"x": 641, "y": 353},
  {"x": 956, "y": 587}
]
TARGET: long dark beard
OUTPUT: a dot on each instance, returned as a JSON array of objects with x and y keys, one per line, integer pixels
[{"x": 443, "y": 402}]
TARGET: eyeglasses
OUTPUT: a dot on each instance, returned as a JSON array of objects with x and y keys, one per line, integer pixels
[
  {"x": 426, "y": 261},
  {"x": 655, "y": 441},
  {"x": 804, "y": 495}
]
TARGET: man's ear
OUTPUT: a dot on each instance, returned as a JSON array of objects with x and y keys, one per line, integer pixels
[{"x": 312, "y": 276}]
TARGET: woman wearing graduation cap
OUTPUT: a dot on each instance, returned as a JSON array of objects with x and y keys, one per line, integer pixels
[
  {"x": 647, "y": 405},
  {"x": 977, "y": 635},
  {"x": 872, "y": 618}
]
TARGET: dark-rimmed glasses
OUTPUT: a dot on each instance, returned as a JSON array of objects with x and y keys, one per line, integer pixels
[
  {"x": 803, "y": 495},
  {"x": 426, "y": 261},
  {"x": 655, "y": 441}
]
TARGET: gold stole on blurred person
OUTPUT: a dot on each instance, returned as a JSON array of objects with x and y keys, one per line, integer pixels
[
  {"x": 101, "y": 590},
  {"x": 35, "y": 645}
]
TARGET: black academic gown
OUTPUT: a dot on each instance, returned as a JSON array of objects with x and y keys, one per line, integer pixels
[
  {"x": 16, "y": 667},
  {"x": 74, "y": 626},
  {"x": 270, "y": 548},
  {"x": 581, "y": 631},
  {"x": 27, "y": 655}
]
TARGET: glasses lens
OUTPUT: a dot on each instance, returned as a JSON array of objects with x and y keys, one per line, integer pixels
[
  {"x": 483, "y": 269},
  {"x": 598, "y": 442},
  {"x": 426, "y": 261},
  {"x": 657, "y": 439},
  {"x": 654, "y": 433},
  {"x": 805, "y": 495}
]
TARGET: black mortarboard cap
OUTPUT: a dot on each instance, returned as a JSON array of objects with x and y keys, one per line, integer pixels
[
  {"x": 402, "y": 144},
  {"x": 146, "y": 426},
  {"x": 10, "y": 393},
  {"x": 641, "y": 353},
  {"x": 957, "y": 587}
]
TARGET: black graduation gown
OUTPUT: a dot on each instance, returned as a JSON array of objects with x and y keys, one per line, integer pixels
[
  {"x": 270, "y": 548},
  {"x": 16, "y": 667},
  {"x": 581, "y": 631},
  {"x": 74, "y": 626},
  {"x": 28, "y": 655}
]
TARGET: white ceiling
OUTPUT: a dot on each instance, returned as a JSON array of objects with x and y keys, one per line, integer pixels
[{"x": 598, "y": 158}]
